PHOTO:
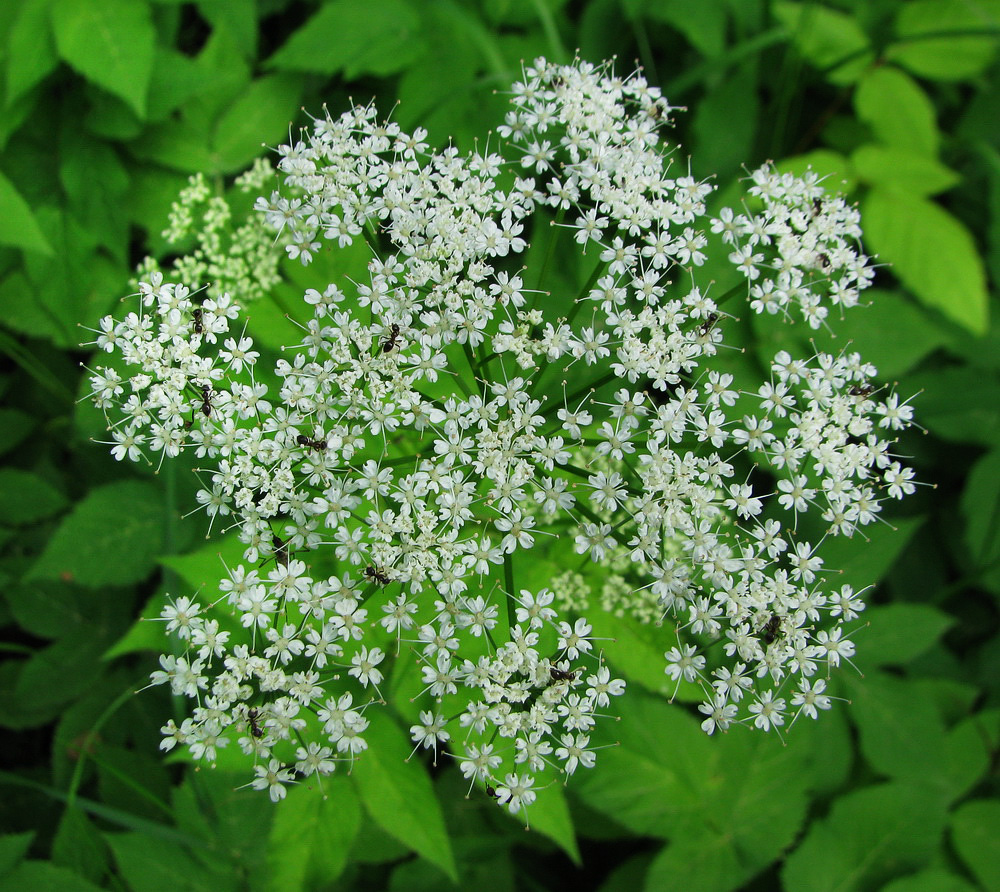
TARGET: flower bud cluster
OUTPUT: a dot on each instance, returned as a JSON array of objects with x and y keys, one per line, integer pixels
[{"x": 387, "y": 473}]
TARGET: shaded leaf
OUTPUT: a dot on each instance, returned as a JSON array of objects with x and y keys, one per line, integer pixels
[
  {"x": 825, "y": 37},
  {"x": 18, "y": 226},
  {"x": 111, "y": 537},
  {"x": 154, "y": 865},
  {"x": 31, "y": 51},
  {"x": 981, "y": 510},
  {"x": 898, "y": 633},
  {"x": 865, "y": 558},
  {"x": 110, "y": 43},
  {"x": 379, "y": 37},
  {"x": 975, "y": 829},
  {"x": 870, "y": 835},
  {"x": 959, "y": 404},
  {"x": 27, "y": 497},
  {"x": 399, "y": 796},
  {"x": 13, "y": 847},
  {"x": 40, "y": 876}
]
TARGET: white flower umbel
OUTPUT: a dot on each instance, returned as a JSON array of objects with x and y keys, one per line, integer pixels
[{"x": 388, "y": 473}]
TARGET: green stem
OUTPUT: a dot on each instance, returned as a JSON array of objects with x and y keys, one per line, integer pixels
[{"x": 508, "y": 576}]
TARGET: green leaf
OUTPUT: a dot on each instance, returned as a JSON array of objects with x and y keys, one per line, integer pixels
[
  {"x": 898, "y": 111},
  {"x": 981, "y": 510},
  {"x": 975, "y": 829},
  {"x": 111, "y": 537},
  {"x": 18, "y": 226},
  {"x": 78, "y": 846},
  {"x": 379, "y": 37},
  {"x": 667, "y": 778},
  {"x": 697, "y": 862},
  {"x": 312, "y": 835},
  {"x": 867, "y": 557},
  {"x": 902, "y": 735},
  {"x": 870, "y": 835},
  {"x": 934, "y": 879},
  {"x": 967, "y": 755},
  {"x": 30, "y": 48},
  {"x": 931, "y": 252},
  {"x": 260, "y": 116},
  {"x": 27, "y": 497},
  {"x": 915, "y": 334},
  {"x": 897, "y": 634},
  {"x": 902, "y": 170},
  {"x": 110, "y": 43},
  {"x": 549, "y": 814},
  {"x": 825, "y": 37},
  {"x": 50, "y": 609},
  {"x": 703, "y": 24},
  {"x": 959, "y": 404},
  {"x": 725, "y": 122},
  {"x": 937, "y": 55},
  {"x": 399, "y": 796},
  {"x": 13, "y": 847},
  {"x": 834, "y": 168},
  {"x": 207, "y": 565},
  {"x": 15, "y": 425},
  {"x": 40, "y": 876},
  {"x": 154, "y": 865}
]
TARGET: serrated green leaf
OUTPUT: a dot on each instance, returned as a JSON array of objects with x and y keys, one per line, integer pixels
[
  {"x": 975, "y": 829},
  {"x": 112, "y": 537},
  {"x": 549, "y": 814},
  {"x": 78, "y": 846},
  {"x": 18, "y": 226},
  {"x": 379, "y": 38},
  {"x": 967, "y": 756},
  {"x": 110, "y": 43},
  {"x": 867, "y": 557},
  {"x": 40, "y": 876},
  {"x": 834, "y": 168},
  {"x": 154, "y": 865},
  {"x": 902, "y": 735},
  {"x": 870, "y": 835},
  {"x": 31, "y": 51},
  {"x": 931, "y": 252},
  {"x": 902, "y": 170},
  {"x": 14, "y": 424},
  {"x": 959, "y": 404},
  {"x": 399, "y": 797},
  {"x": 13, "y": 847},
  {"x": 699, "y": 862},
  {"x": 930, "y": 880},
  {"x": 27, "y": 497},
  {"x": 259, "y": 117},
  {"x": 312, "y": 835},
  {"x": 825, "y": 37},
  {"x": 899, "y": 633},
  {"x": 703, "y": 24},
  {"x": 668, "y": 778},
  {"x": 915, "y": 334},
  {"x": 938, "y": 55},
  {"x": 981, "y": 510},
  {"x": 898, "y": 111}
]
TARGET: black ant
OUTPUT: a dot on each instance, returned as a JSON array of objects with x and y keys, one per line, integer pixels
[
  {"x": 255, "y": 729},
  {"x": 824, "y": 261},
  {"x": 390, "y": 343},
  {"x": 771, "y": 630},
  {"x": 318, "y": 445},
  {"x": 861, "y": 390},
  {"x": 561, "y": 674},
  {"x": 206, "y": 400},
  {"x": 376, "y": 575},
  {"x": 280, "y": 550},
  {"x": 707, "y": 325},
  {"x": 491, "y": 792},
  {"x": 198, "y": 325},
  {"x": 817, "y": 206}
]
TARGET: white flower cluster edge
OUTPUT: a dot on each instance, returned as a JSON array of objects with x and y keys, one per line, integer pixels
[{"x": 389, "y": 471}]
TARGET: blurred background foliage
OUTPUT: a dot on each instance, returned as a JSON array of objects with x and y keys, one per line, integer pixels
[{"x": 109, "y": 106}]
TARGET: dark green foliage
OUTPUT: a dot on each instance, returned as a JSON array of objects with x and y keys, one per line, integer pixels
[{"x": 109, "y": 105}]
